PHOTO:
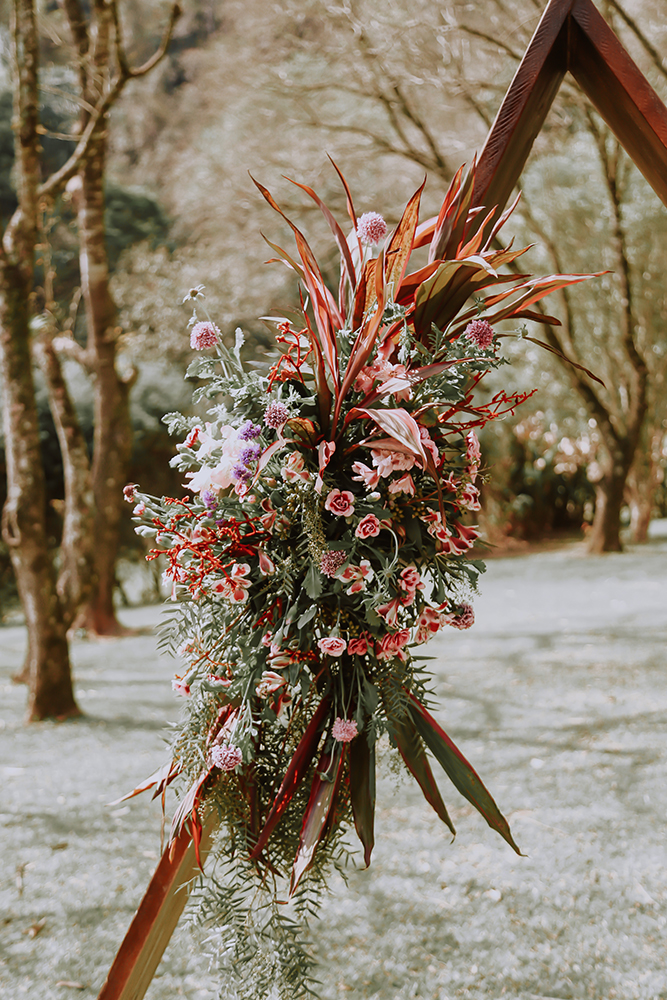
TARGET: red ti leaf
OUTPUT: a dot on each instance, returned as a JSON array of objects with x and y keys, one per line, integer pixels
[
  {"x": 296, "y": 772},
  {"x": 400, "y": 245},
  {"x": 412, "y": 751},
  {"x": 460, "y": 771},
  {"x": 362, "y": 792},
  {"x": 322, "y": 796},
  {"x": 398, "y": 424}
]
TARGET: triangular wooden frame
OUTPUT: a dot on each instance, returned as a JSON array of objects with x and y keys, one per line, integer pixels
[{"x": 572, "y": 37}]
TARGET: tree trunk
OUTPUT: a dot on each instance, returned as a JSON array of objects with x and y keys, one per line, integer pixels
[
  {"x": 77, "y": 546},
  {"x": 605, "y": 533},
  {"x": 24, "y": 514},
  {"x": 113, "y": 427}
]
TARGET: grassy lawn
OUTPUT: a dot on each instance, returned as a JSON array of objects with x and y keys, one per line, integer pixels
[{"x": 558, "y": 696}]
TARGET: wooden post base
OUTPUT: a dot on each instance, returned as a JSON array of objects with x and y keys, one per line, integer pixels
[{"x": 159, "y": 911}]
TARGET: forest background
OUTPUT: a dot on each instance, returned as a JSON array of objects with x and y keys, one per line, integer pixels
[{"x": 391, "y": 92}]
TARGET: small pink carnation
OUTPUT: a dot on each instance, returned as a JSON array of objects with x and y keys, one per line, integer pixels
[
  {"x": 371, "y": 228},
  {"x": 465, "y": 618},
  {"x": 225, "y": 757},
  {"x": 204, "y": 334},
  {"x": 480, "y": 332},
  {"x": 358, "y": 646},
  {"x": 180, "y": 688},
  {"x": 344, "y": 730}
]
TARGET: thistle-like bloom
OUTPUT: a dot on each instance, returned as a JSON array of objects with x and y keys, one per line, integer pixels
[
  {"x": 204, "y": 334},
  {"x": 371, "y": 229},
  {"x": 332, "y": 561},
  {"x": 225, "y": 757},
  {"x": 275, "y": 415},
  {"x": 480, "y": 332},
  {"x": 344, "y": 730}
]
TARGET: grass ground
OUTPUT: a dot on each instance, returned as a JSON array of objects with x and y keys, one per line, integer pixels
[{"x": 559, "y": 698}]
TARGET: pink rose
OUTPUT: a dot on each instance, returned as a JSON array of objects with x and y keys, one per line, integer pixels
[
  {"x": 358, "y": 646},
  {"x": 368, "y": 527},
  {"x": 390, "y": 647},
  {"x": 332, "y": 646},
  {"x": 410, "y": 579},
  {"x": 340, "y": 503}
]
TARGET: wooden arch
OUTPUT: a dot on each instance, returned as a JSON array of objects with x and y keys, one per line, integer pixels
[{"x": 572, "y": 37}]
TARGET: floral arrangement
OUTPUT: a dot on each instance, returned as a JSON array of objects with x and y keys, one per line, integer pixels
[{"x": 325, "y": 537}]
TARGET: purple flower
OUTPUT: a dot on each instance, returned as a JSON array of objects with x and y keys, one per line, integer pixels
[
  {"x": 276, "y": 414},
  {"x": 250, "y": 454},
  {"x": 480, "y": 332},
  {"x": 204, "y": 335},
  {"x": 241, "y": 473},
  {"x": 249, "y": 431},
  {"x": 209, "y": 499},
  {"x": 332, "y": 561},
  {"x": 371, "y": 228}
]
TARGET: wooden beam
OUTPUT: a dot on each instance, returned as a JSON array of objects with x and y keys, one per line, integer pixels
[
  {"x": 159, "y": 911},
  {"x": 620, "y": 93},
  {"x": 524, "y": 108}
]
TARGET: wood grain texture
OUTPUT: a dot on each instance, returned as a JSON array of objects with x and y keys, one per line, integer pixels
[
  {"x": 573, "y": 36},
  {"x": 159, "y": 912}
]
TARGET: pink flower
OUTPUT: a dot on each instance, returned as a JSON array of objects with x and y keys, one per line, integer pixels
[
  {"x": 340, "y": 503},
  {"x": 267, "y": 639},
  {"x": 391, "y": 461},
  {"x": 225, "y": 757},
  {"x": 365, "y": 475},
  {"x": 191, "y": 439},
  {"x": 139, "y": 509},
  {"x": 295, "y": 469},
  {"x": 179, "y": 687},
  {"x": 429, "y": 622},
  {"x": 344, "y": 730},
  {"x": 465, "y": 618},
  {"x": 130, "y": 492},
  {"x": 358, "y": 646},
  {"x": 235, "y": 586},
  {"x": 474, "y": 453},
  {"x": 429, "y": 444},
  {"x": 332, "y": 646},
  {"x": 275, "y": 415},
  {"x": 371, "y": 228},
  {"x": 480, "y": 332},
  {"x": 436, "y": 526},
  {"x": 368, "y": 527},
  {"x": 269, "y": 682},
  {"x": 410, "y": 581},
  {"x": 403, "y": 485},
  {"x": 382, "y": 372},
  {"x": 389, "y": 611},
  {"x": 391, "y": 645},
  {"x": 204, "y": 335},
  {"x": 357, "y": 576},
  {"x": 331, "y": 561},
  {"x": 469, "y": 497},
  {"x": 266, "y": 565}
]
